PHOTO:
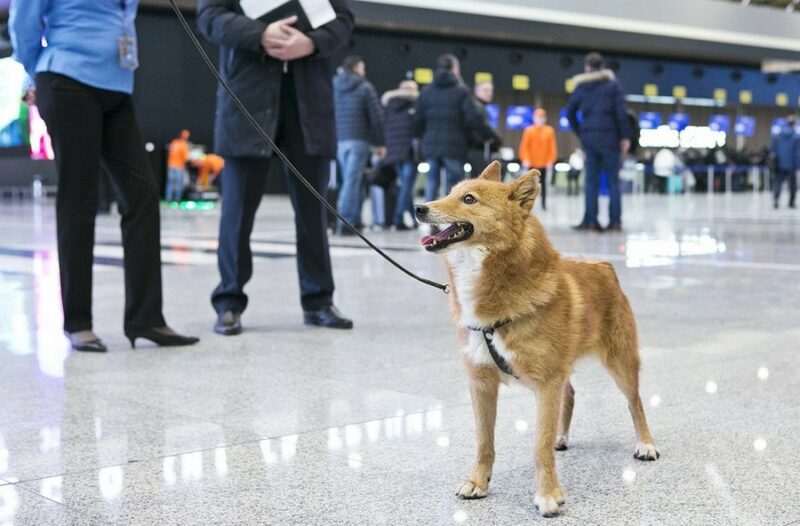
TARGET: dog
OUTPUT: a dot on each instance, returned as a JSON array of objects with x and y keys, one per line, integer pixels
[{"x": 525, "y": 312}]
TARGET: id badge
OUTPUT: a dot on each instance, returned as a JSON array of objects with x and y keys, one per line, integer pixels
[{"x": 128, "y": 55}]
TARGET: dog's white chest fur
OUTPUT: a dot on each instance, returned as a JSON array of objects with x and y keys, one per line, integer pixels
[{"x": 466, "y": 265}]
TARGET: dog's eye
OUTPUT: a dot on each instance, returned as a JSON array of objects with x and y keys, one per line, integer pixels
[{"x": 469, "y": 199}]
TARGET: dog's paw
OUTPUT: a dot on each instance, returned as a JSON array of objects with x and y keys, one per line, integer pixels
[
  {"x": 549, "y": 505},
  {"x": 561, "y": 442},
  {"x": 646, "y": 452},
  {"x": 469, "y": 490}
]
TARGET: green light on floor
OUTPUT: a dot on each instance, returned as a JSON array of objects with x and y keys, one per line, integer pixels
[{"x": 194, "y": 205}]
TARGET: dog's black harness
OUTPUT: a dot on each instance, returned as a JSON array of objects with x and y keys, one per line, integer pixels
[{"x": 488, "y": 336}]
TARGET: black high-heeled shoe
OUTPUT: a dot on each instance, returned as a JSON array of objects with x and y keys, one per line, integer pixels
[{"x": 160, "y": 337}]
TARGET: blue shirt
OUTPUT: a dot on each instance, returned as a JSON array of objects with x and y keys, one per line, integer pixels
[{"x": 82, "y": 39}]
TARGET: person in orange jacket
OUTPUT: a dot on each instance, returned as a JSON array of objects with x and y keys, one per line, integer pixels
[
  {"x": 537, "y": 150},
  {"x": 176, "y": 166},
  {"x": 209, "y": 167}
]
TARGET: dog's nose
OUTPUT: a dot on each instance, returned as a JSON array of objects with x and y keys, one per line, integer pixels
[{"x": 421, "y": 210}]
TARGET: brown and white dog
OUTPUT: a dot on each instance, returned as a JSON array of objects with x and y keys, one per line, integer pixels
[{"x": 514, "y": 297}]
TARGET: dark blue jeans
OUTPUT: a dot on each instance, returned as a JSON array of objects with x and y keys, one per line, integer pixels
[
  {"x": 607, "y": 161},
  {"x": 454, "y": 174},
  {"x": 407, "y": 174}
]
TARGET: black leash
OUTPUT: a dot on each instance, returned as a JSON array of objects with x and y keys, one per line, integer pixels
[{"x": 254, "y": 123}]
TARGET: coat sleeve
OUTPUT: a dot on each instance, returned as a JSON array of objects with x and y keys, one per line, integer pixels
[
  {"x": 524, "y": 147},
  {"x": 418, "y": 116},
  {"x": 572, "y": 111},
  {"x": 26, "y": 26},
  {"x": 221, "y": 24},
  {"x": 475, "y": 120},
  {"x": 621, "y": 114},
  {"x": 375, "y": 116},
  {"x": 331, "y": 37}
]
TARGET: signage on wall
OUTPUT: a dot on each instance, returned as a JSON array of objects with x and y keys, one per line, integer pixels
[
  {"x": 679, "y": 92},
  {"x": 519, "y": 117},
  {"x": 721, "y": 95},
  {"x": 781, "y": 99},
  {"x": 745, "y": 126},
  {"x": 563, "y": 120},
  {"x": 483, "y": 76},
  {"x": 493, "y": 111},
  {"x": 745, "y": 96},
  {"x": 720, "y": 123},
  {"x": 651, "y": 90},
  {"x": 521, "y": 82},
  {"x": 423, "y": 75},
  {"x": 569, "y": 85},
  {"x": 778, "y": 125},
  {"x": 678, "y": 121},
  {"x": 649, "y": 120}
]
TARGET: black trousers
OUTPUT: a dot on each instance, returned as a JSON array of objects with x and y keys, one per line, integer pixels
[
  {"x": 542, "y": 184},
  {"x": 89, "y": 126},
  {"x": 781, "y": 176},
  {"x": 243, "y": 184}
]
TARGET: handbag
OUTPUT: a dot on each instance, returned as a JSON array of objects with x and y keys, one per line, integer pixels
[{"x": 382, "y": 174}]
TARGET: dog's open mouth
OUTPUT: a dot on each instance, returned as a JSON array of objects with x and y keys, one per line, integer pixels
[{"x": 455, "y": 233}]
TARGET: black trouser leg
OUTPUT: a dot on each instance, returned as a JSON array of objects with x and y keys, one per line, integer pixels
[
  {"x": 125, "y": 157},
  {"x": 543, "y": 185},
  {"x": 243, "y": 184},
  {"x": 74, "y": 120},
  {"x": 311, "y": 221}
]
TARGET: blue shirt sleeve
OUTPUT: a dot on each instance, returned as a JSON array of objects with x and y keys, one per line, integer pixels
[{"x": 26, "y": 26}]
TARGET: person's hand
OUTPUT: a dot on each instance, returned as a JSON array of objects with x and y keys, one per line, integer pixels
[
  {"x": 295, "y": 45},
  {"x": 380, "y": 151},
  {"x": 624, "y": 145},
  {"x": 275, "y": 31},
  {"x": 30, "y": 97}
]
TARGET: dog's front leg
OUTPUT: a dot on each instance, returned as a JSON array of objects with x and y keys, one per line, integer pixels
[
  {"x": 549, "y": 495},
  {"x": 484, "y": 385}
]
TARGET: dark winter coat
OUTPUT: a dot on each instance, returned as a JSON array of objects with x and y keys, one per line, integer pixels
[
  {"x": 256, "y": 78},
  {"x": 600, "y": 100},
  {"x": 785, "y": 149},
  {"x": 447, "y": 117},
  {"x": 399, "y": 128},
  {"x": 359, "y": 115}
]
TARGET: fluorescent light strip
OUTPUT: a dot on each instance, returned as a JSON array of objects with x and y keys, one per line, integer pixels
[{"x": 573, "y": 18}]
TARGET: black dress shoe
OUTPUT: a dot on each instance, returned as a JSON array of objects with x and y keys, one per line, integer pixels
[
  {"x": 79, "y": 343},
  {"x": 615, "y": 227},
  {"x": 588, "y": 228},
  {"x": 329, "y": 317},
  {"x": 229, "y": 323},
  {"x": 161, "y": 336}
]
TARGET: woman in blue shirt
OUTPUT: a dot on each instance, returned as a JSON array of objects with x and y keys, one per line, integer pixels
[{"x": 82, "y": 54}]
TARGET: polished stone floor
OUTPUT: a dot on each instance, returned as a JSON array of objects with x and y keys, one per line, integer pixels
[{"x": 290, "y": 425}]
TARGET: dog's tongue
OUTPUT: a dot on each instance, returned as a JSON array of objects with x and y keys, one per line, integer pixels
[{"x": 441, "y": 236}]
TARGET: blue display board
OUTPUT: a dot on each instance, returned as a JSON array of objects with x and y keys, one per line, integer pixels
[
  {"x": 649, "y": 120},
  {"x": 563, "y": 120},
  {"x": 493, "y": 110},
  {"x": 777, "y": 125},
  {"x": 519, "y": 117},
  {"x": 679, "y": 121},
  {"x": 720, "y": 123},
  {"x": 745, "y": 126}
]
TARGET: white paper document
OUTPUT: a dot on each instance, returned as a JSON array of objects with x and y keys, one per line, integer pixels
[{"x": 318, "y": 12}]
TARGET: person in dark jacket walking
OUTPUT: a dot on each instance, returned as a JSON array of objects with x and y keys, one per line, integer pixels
[
  {"x": 785, "y": 151},
  {"x": 480, "y": 150},
  {"x": 400, "y": 150},
  {"x": 284, "y": 77},
  {"x": 359, "y": 124},
  {"x": 446, "y": 117},
  {"x": 605, "y": 134}
]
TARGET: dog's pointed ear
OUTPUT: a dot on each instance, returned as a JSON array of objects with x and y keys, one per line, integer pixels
[
  {"x": 525, "y": 190},
  {"x": 493, "y": 172}
]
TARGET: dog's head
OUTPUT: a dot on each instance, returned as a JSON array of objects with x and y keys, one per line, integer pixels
[{"x": 481, "y": 212}]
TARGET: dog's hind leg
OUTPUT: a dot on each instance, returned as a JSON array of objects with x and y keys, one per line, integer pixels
[
  {"x": 626, "y": 375},
  {"x": 549, "y": 495},
  {"x": 567, "y": 403},
  {"x": 483, "y": 388}
]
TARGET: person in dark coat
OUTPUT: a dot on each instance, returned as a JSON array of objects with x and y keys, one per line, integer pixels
[
  {"x": 480, "y": 150},
  {"x": 359, "y": 124},
  {"x": 400, "y": 145},
  {"x": 283, "y": 76},
  {"x": 446, "y": 118},
  {"x": 605, "y": 133},
  {"x": 785, "y": 152}
]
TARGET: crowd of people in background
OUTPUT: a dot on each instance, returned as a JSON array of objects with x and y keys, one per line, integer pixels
[{"x": 447, "y": 126}]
